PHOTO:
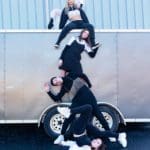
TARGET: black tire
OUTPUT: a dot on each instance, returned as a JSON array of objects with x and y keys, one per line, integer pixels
[
  {"x": 111, "y": 117},
  {"x": 53, "y": 123}
]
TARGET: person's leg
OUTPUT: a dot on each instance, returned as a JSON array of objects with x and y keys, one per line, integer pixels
[
  {"x": 96, "y": 133},
  {"x": 66, "y": 123},
  {"x": 86, "y": 79},
  {"x": 98, "y": 114},
  {"x": 65, "y": 31},
  {"x": 80, "y": 123},
  {"x": 79, "y": 128},
  {"x": 90, "y": 27}
]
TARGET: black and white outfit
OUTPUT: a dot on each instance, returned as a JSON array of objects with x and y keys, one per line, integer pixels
[
  {"x": 71, "y": 57},
  {"x": 83, "y": 131},
  {"x": 80, "y": 95},
  {"x": 82, "y": 128},
  {"x": 83, "y": 23}
]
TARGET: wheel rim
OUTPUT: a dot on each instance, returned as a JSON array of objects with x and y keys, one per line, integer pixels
[
  {"x": 108, "y": 118},
  {"x": 56, "y": 123}
]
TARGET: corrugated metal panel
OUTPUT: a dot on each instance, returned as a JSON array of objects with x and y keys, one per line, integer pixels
[{"x": 104, "y": 14}]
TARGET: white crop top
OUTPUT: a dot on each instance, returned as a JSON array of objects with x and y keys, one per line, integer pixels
[{"x": 73, "y": 13}]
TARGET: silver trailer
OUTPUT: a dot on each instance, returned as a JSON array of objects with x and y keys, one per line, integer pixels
[{"x": 120, "y": 75}]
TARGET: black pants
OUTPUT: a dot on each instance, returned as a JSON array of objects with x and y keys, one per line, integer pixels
[
  {"x": 94, "y": 132},
  {"x": 83, "y": 124},
  {"x": 79, "y": 125},
  {"x": 85, "y": 96},
  {"x": 79, "y": 24}
]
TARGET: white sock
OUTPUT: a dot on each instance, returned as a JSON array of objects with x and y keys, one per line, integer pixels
[
  {"x": 59, "y": 139},
  {"x": 65, "y": 111},
  {"x": 122, "y": 139}
]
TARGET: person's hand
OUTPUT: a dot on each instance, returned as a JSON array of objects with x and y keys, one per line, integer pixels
[
  {"x": 46, "y": 87},
  {"x": 60, "y": 62}
]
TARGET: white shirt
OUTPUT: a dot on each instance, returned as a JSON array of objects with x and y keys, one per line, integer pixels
[
  {"x": 73, "y": 13},
  {"x": 73, "y": 145},
  {"x": 87, "y": 47}
]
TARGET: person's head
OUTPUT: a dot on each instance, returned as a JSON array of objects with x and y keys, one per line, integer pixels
[
  {"x": 85, "y": 35},
  {"x": 56, "y": 81},
  {"x": 70, "y": 3},
  {"x": 97, "y": 144}
]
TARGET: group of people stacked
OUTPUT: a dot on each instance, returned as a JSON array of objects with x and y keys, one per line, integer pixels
[{"x": 78, "y": 132}]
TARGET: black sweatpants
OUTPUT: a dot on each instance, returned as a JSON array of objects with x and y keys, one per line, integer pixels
[
  {"x": 79, "y": 24},
  {"x": 79, "y": 125},
  {"x": 85, "y": 96},
  {"x": 83, "y": 124}
]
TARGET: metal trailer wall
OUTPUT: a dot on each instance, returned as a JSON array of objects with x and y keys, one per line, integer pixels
[
  {"x": 103, "y": 14},
  {"x": 119, "y": 73}
]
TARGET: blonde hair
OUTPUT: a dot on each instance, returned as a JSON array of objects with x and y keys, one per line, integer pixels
[{"x": 67, "y": 4}]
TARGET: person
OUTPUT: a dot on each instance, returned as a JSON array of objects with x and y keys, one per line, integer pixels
[
  {"x": 78, "y": 20},
  {"x": 79, "y": 128},
  {"x": 78, "y": 93},
  {"x": 83, "y": 129},
  {"x": 69, "y": 61},
  {"x": 56, "y": 13}
]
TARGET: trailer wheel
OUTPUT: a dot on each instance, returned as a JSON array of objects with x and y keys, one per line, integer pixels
[
  {"x": 110, "y": 116},
  {"x": 53, "y": 123}
]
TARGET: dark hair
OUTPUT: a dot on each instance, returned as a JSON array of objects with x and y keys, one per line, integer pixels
[
  {"x": 102, "y": 147},
  {"x": 51, "y": 81},
  {"x": 87, "y": 40}
]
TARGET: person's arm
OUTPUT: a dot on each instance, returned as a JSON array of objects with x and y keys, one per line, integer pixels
[
  {"x": 57, "y": 97},
  {"x": 64, "y": 52},
  {"x": 91, "y": 51},
  {"x": 83, "y": 16},
  {"x": 67, "y": 47},
  {"x": 86, "y": 79},
  {"x": 63, "y": 19}
]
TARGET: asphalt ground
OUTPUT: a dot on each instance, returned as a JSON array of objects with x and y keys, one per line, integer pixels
[{"x": 29, "y": 137}]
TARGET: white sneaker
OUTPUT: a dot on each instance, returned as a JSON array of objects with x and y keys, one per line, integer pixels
[
  {"x": 122, "y": 139},
  {"x": 65, "y": 111},
  {"x": 59, "y": 139},
  {"x": 112, "y": 139},
  {"x": 56, "y": 46}
]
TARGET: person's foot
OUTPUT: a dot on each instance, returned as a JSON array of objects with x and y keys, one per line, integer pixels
[
  {"x": 59, "y": 139},
  {"x": 57, "y": 46},
  {"x": 122, "y": 139},
  {"x": 65, "y": 111}
]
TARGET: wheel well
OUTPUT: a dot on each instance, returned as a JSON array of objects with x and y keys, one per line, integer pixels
[
  {"x": 114, "y": 108},
  {"x": 117, "y": 111}
]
